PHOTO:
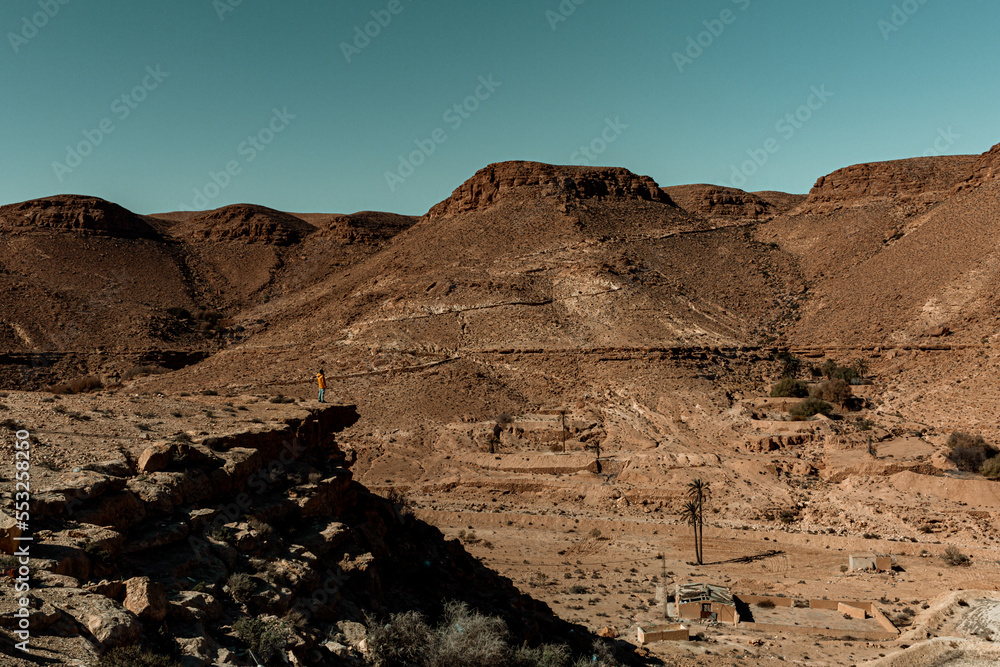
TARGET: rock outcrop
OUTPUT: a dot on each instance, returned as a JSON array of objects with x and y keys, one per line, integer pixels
[
  {"x": 533, "y": 179},
  {"x": 87, "y": 216},
  {"x": 719, "y": 201},
  {"x": 246, "y": 223},
  {"x": 917, "y": 182},
  {"x": 266, "y": 524},
  {"x": 364, "y": 226},
  {"x": 983, "y": 170}
]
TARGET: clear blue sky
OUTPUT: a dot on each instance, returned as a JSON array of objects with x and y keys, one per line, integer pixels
[{"x": 608, "y": 68}]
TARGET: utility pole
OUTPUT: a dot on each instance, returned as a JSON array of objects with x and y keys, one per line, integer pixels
[
  {"x": 562, "y": 415},
  {"x": 663, "y": 584}
]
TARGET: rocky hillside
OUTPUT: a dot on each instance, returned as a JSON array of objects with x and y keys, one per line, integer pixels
[
  {"x": 194, "y": 535},
  {"x": 914, "y": 184},
  {"x": 983, "y": 170},
  {"x": 245, "y": 223},
  {"x": 86, "y": 216},
  {"x": 514, "y": 179},
  {"x": 718, "y": 201}
]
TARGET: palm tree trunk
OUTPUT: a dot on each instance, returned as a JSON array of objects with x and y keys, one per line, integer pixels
[
  {"x": 697, "y": 549},
  {"x": 701, "y": 526}
]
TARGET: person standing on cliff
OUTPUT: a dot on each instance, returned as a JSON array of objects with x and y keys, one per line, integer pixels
[{"x": 321, "y": 380}]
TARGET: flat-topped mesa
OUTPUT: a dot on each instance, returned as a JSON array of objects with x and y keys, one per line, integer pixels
[
  {"x": 920, "y": 181},
  {"x": 87, "y": 216},
  {"x": 505, "y": 180},
  {"x": 984, "y": 170},
  {"x": 247, "y": 223},
  {"x": 719, "y": 201}
]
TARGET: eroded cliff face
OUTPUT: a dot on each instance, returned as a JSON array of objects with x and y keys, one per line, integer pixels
[
  {"x": 920, "y": 182},
  {"x": 177, "y": 546},
  {"x": 511, "y": 180},
  {"x": 246, "y": 223},
  {"x": 87, "y": 216},
  {"x": 719, "y": 201},
  {"x": 983, "y": 170}
]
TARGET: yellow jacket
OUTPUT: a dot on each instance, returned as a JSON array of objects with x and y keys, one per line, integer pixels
[{"x": 321, "y": 380}]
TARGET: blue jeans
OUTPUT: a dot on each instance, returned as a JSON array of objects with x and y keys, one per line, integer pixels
[{"x": 321, "y": 392}]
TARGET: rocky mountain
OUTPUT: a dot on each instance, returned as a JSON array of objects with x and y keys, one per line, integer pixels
[
  {"x": 540, "y": 365},
  {"x": 985, "y": 169},
  {"x": 245, "y": 223},
  {"x": 496, "y": 181},
  {"x": 717, "y": 201},
  {"x": 914, "y": 184},
  {"x": 86, "y": 216}
]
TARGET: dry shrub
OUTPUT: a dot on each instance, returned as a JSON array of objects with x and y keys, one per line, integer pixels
[
  {"x": 135, "y": 656},
  {"x": 77, "y": 386},
  {"x": 265, "y": 638},
  {"x": 969, "y": 452},
  {"x": 953, "y": 556},
  {"x": 833, "y": 391},
  {"x": 241, "y": 586}
]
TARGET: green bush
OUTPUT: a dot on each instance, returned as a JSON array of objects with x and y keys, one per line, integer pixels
[
  {"x": 969, "y": 452},
  {"x": 790, "y": 364},
  {"x": 834, "y": 371},
  {"x": 264, "y": 638},
  {"x": 789, "y": 388},
  {"x": 810, "y": 407},
  {"x": 991, "y": 468},
  {"x": 833, "y": 391}
]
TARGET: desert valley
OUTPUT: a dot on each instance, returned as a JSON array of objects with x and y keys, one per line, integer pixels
[{"x": 525, "y": 386}]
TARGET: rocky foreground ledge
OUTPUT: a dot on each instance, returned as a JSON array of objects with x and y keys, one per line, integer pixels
[{"x": 174, "y": 549}]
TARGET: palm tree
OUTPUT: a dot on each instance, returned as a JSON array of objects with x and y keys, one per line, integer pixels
[
  {"x": 689, "y": 512},
  {"x": 697, "y": 490}
]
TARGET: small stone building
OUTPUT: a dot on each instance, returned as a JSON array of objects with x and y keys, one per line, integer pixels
[
  {"x": 705, "y": 601},
  {"x": 870, "y": 563}
]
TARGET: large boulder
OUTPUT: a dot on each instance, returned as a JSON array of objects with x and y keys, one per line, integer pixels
[{"x": 146, "y": 599}]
